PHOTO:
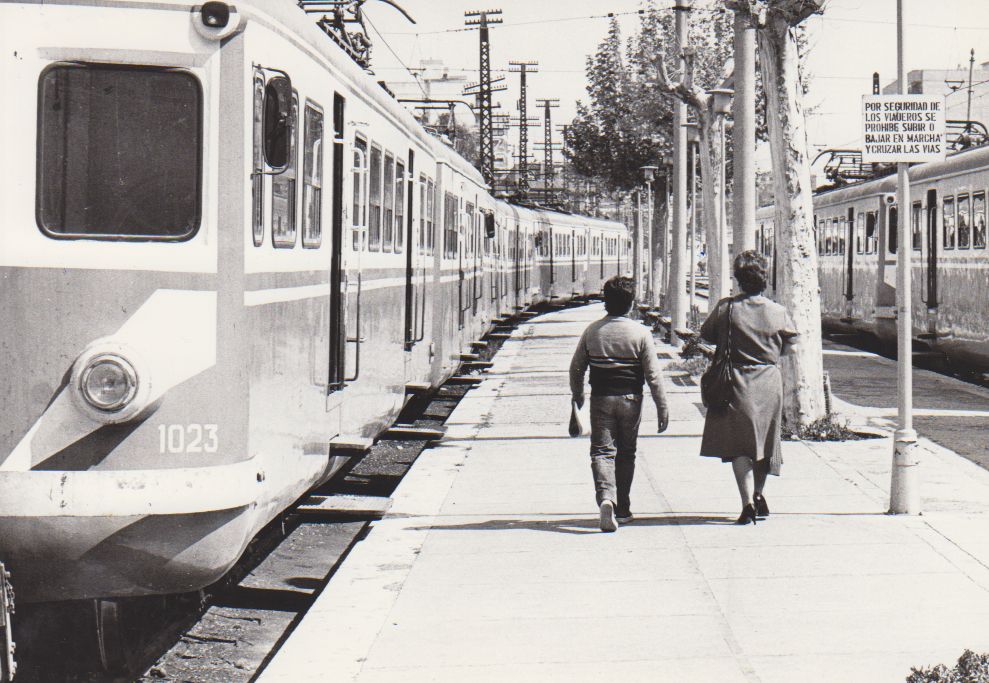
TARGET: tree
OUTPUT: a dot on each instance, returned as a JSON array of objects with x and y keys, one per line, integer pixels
[
  {"x": 464, "y": 140},
  {"x": 628, "y": 122},
  {"x": 799, "y": 289},
  {"x": 712, "y": 130},
  {"x": 614, "y": 135}
]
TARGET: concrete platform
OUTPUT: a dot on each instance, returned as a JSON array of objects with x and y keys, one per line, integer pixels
[{"x": 490, "y": 566}]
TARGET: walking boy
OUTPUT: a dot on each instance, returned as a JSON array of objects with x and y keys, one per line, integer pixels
[{"x": 621, "y": 355}]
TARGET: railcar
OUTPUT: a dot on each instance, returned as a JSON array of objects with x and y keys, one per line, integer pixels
[
  {"x": 857, "y": 250},
  {"x": 227, "y": 256}
]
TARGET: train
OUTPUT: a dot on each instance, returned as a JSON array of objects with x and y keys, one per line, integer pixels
[
  {"x": 856, "y": 234},
  {"x": 228, "y": 258}
]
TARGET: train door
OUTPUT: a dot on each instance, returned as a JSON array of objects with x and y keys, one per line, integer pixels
[
  {"x": 412, "y": 256},
  {"x": 338, "y": 280},
  {"x": 931, "y": 256},
  {"x": 458, "y": 239},
  {"x": 553, "y": 246},
  {"x": 849, "y": 252},
  {"x": 573, "y": 256}
]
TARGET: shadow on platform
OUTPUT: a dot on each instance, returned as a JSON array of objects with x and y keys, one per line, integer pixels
[{"x": 577, "y": 525}]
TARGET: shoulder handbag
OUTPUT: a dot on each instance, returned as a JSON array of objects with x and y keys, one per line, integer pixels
[{"x": 717, "y": 389}]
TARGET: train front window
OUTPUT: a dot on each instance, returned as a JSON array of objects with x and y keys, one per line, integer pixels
[
  {"x": 948, "y": 220},
  {"x": 979, "y": 220},
  {"x": 119, "y": 153},
  {"x": 964, "y": 226}
]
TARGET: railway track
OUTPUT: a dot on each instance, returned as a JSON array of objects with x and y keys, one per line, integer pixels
[{"x": 227, "y": 632}]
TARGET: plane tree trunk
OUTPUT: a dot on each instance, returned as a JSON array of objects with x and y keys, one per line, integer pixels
[{"x": 798, "y": 288}]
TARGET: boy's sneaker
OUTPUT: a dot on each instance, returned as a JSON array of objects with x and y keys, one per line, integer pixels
[
  {"x": 608, "y": 521},
  {"x": 625, "y": 517}
]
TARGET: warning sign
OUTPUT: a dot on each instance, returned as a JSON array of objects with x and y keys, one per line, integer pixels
[{"x": 902, "y": 128}]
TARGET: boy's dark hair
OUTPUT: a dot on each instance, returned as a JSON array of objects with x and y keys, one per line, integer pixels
[
  {"x": 751, "y": 271},
  {"x": 619, "y": 293}
]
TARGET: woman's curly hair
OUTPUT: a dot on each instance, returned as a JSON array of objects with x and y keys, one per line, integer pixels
[{"x": 751, "y": 271}]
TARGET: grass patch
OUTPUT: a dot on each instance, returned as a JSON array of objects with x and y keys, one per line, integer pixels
[
  {"x": 825, "y": 429},
  {"x": 693, "y": 366},
  {"x": 971, "y": 668}
]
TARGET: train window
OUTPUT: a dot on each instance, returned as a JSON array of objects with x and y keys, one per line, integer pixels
[
  {"x": 469, "y": 227},
  {"x": 964, "y": 223},
  {"x": 374, "y": 201},
  {"x": 423, "y": 233},
  {"x": 399, "y": 206},
  {"x": 979, "y": 220},
  {"x": 860, "y": 233},
  {"x": 119, "y": 152},
  {"x": 430, "y": 216},
  {"x": 870, "y": 232},
  {"x": 283, "y": 187},
  {"x": 360, "y": 192},
  {"x": 312, "y": 177},
  {"x": 948, "y": 217},
  {"x": 450, "y": 226},
  {"x": 827, "y": 236},
  {"x": 842, "y": 232},
  {"x": 892, "y": 227},
  {"x": 257, "y": 178},
  {"x": 388, "y": 211},
  {"x": 915, "y": 225},
  {"x": 279, "y": 121}
]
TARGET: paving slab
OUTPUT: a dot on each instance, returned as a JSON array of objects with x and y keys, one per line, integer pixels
[{"x": 490, "y": 565}]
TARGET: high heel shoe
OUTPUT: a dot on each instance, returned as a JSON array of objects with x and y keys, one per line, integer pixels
[
  {"x": 761, "y": 506},
  {"x": 748, "y": 515}
]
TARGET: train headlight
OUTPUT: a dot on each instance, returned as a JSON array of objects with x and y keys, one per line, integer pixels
[
  {"x": 215, "y": 14},
  {"x": 217, "y": 20},
  {"x": 108, "y": 383},
  {"x": 111, "y": 382}
]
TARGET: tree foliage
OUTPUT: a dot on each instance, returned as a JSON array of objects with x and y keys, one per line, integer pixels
[{"x": 627, "y": 122}]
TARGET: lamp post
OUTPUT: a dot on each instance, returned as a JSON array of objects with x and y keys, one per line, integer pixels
[
  {"x": 693, "y": 137},
  {"x": 720, "y": 106},
  {"x": 648, "y": 234}
]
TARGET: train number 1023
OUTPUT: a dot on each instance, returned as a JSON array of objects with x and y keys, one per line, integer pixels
[{"x": 188, "y": 438}]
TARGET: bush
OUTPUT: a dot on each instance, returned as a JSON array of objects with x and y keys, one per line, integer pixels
[
  {"x": 693, "y": 366},
  {"x": 971, "y": 668},
  {"x": 825, "y": 429}
]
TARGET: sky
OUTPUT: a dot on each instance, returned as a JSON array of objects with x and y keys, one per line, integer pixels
[{"x": 851, "y": 40}]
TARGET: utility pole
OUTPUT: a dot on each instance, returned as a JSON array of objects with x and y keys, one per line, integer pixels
[
  {"x": 564, "y": 129},
  {"x": 903, "y": 494},
  {"x": 548, "y": 148},
  {"x": 743, "y": 136},
  {"x": 678, "y": 291},
  {"x": 483, "y": 20},
  {"x": 522, "y": 69}
]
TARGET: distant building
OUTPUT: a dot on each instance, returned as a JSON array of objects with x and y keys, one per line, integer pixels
[
  {"x": 954, "y": 84},
  {"x": 434, "y": 81}
]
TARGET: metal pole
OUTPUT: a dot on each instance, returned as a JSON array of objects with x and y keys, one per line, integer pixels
[
  {"x": 968, "y": 110},
  {"x": 723, "y": 259},
  {"x": 678, "y": 292},
  {"x": 904, "y": 498},
  {"x": 743, "y": 136},
  {"x": 693, "y": 227},
  {"x": 647, "y": 244},
  {"x": 637, "y": 245}
]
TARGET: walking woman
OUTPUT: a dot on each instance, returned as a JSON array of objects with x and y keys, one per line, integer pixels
[{"x": 746, "y": 432}]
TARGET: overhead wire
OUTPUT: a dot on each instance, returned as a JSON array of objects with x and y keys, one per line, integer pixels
[
  {"x": 415, "y": 77},
  {"x": 552, "y": 20}
]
